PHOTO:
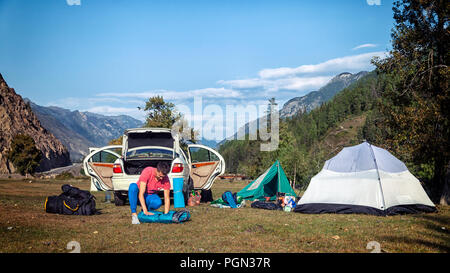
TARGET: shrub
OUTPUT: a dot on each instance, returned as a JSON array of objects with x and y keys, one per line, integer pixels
[{"x": 24, "y": 154}]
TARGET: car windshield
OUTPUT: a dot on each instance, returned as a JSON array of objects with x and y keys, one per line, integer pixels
[{"x": 149, "y": 153}]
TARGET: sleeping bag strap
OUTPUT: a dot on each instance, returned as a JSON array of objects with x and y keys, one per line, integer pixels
[{"x": 67, "y": 206}]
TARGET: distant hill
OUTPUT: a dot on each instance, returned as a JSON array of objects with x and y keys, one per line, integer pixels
[
  {"x": 309, "y": 101},
  {"x": 80, "y": 130},
  {"x": 16, "y": 117},
  {"x": 210, "y": 143}
]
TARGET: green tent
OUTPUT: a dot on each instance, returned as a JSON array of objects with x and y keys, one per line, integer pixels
[{"x": 273, "y": 180}]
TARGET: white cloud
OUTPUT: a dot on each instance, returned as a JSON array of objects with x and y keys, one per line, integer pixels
[
  {"x": 373, "y": 2},
  {"x": 301, "y": 83},
  {"x": 273, "y": 85},
  {"x": 176, "y": 95},
  {"x": 364, "y": 46},
  {"x": 337, "y": 65},
  {"x": 245, "y": 83}
]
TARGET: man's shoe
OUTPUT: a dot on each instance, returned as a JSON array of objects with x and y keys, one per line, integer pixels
[{"x": 135, "y": 220}]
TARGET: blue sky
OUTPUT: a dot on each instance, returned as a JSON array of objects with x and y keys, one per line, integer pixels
[{"x": 108, "y": 56}]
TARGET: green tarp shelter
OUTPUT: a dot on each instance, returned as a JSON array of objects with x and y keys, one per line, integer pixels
[{"x": 273, "y": 180}]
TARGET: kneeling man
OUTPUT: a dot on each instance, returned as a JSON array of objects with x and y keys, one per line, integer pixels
[{"x": 144, "y": 192}]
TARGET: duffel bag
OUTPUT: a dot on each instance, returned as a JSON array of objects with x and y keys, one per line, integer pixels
[{"x": 72, "y": 201}]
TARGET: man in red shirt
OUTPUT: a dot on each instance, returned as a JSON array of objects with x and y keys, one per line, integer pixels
[{"x": 144, "y": 192}]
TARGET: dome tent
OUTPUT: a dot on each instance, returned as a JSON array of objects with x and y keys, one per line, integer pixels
[{"x": 365, "y": 179}]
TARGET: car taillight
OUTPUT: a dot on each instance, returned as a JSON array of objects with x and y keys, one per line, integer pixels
[
  {"x": 177, "y": 168},
  {"x": 117, "y": 168}
]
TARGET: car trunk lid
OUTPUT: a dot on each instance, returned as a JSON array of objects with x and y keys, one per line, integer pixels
[{"x": 134, "y": 138}]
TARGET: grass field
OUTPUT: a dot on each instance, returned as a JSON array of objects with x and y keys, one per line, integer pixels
[{"x": 25, "y": 227}]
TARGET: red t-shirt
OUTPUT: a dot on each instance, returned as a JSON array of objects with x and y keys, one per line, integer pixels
[{"x": 148, "y": 176}]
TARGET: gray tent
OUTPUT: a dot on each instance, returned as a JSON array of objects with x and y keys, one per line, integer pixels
[{"x": 365, "y": 179}]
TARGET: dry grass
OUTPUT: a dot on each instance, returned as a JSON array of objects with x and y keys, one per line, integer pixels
[{"x": 25, "y": 227}]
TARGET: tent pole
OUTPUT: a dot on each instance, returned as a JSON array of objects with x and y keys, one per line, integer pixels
[
  {"x": 278, "y": 175},
  {"x": 378, "y": 173}
]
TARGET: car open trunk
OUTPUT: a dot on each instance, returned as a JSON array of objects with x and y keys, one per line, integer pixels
[
  {"x": 135, "y": 167},
  {"x": 147, "y": 137}
]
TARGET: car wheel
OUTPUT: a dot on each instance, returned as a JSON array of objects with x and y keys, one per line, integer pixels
[{"x": 119, "y": 198}]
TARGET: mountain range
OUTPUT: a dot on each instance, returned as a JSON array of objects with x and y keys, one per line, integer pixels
[{"x": 80, "y": 130}]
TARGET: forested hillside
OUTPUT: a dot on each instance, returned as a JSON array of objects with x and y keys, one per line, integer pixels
[{"x": 402, "y": 106}]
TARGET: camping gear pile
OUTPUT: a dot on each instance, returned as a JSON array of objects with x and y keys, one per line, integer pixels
[
  {"x": 72, "y": 201},
  {"x": 283, "y": 202},
  {"x": 229, "y": 200},
  {"x": 194, "y": 198},
  {"x": 288, "y": 203}
]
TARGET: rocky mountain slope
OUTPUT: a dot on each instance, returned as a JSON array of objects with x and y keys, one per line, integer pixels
[
  {"x": 80, "y": 130},
  {"x": 17, "y": 117},
  {"x": 324, "y": 94}
]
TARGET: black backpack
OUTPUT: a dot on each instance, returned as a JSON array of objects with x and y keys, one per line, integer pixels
[{"x": 72, "y": 201}]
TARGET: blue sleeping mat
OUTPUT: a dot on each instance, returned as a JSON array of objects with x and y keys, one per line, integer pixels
[{"x": 159, "y": 217}]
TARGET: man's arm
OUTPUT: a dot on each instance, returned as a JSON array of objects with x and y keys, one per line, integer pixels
[{"x": 166, "y": 201}]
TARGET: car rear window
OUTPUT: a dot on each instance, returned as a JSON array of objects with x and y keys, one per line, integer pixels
[{"x": 149, "y": 153}]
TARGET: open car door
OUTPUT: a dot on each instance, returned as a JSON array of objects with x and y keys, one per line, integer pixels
[
  {"x": 99, "y": 166},
  {"x": 206, "y": 165}
]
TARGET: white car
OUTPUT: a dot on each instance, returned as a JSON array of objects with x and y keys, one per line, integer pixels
[{"x": 114, "y": 168}]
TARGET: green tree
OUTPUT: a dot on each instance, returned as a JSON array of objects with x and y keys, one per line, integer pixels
[
  {"x": 160, "y": 114},
  {"x": 117, "y": 141},
  {"x": 24, "y": 154},
  {"x": 414, "y": 106}
]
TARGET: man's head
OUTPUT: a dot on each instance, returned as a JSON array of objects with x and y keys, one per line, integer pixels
[{"x": 162, "y": 169}]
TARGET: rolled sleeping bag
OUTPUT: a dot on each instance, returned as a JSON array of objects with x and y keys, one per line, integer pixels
[
  {"x": 178, "y": 198},
  {"x": 159, "y": 217}
]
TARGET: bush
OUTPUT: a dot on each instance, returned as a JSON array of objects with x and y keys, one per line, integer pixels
[{"x": 24, "y": 154}]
